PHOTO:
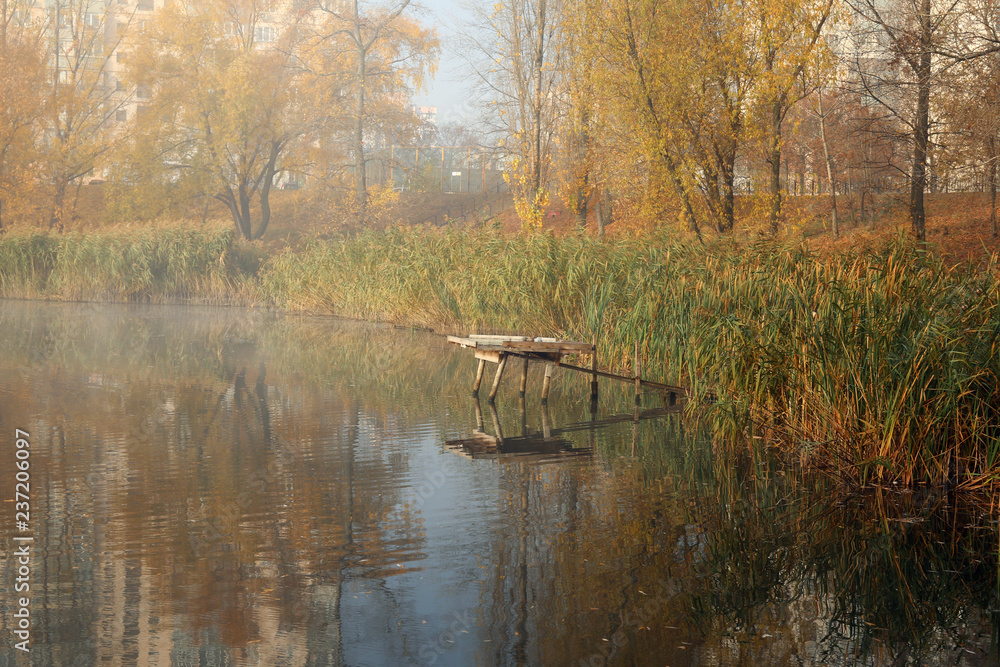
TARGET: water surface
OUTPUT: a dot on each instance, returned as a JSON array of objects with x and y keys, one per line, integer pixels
[{"x": 222, "y": 487}]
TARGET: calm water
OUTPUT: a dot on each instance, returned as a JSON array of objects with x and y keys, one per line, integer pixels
[{"x": 217, "y": 487}]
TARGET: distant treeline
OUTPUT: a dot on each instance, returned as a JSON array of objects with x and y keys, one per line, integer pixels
[{"x": 690, "y": 114}]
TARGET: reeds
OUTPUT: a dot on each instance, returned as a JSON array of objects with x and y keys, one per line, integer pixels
[
  {"x": 150, "y": 264},
  {"x": 881, "y": 365}
]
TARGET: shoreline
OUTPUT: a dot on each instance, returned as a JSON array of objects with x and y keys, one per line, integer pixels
[{"x": 878, "y": 362}]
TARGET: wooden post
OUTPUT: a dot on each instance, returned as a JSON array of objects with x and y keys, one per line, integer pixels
[
  {"x": 635, "y": 428},
  {"x": 442, "y": 169},
  {"x": 479, "y": 377},
  {"x": 593, "y": 375},
  {"x": 479, "y": 414},
  {"x": 546, "y": 429},
  {"x": 638, "y": 379},
  {"x": 524, "y": 377},
  {"x": 550, "y": 368},
  {"x": 468, "y": 171},
  {"x": 524, "y": 416},
  {"x": 496, "y": 422},
  {"x": 496, "y": 379}
]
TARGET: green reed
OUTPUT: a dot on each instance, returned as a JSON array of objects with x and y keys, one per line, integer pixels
[
  {"x": 150, "y": 264},
  {"x": 882, "y": 363}
]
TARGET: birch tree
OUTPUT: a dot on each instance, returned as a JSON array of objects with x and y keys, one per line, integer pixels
[
  {"x": 512, "y": 48},
  {"x": 375, "y": 55},
  {"x": 84, "y": 36}
]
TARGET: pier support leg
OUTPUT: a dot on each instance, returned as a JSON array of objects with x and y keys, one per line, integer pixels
[
  {"x": 479, "y": 377},
  {"x": 479, "y": 415},
  {"x": 550, "y": 368},
  {"x": 496, "y": 379},
  {"x": 593, "y": 375},
  {"x": 524, "y": 377},
  {"x": 524, "y": 416},
  {"x": 546, "y": 429},
  {"x": 593, "y": 380},
  {"x": 638, "y": 378},
  {"x": 496, "y": 422}
]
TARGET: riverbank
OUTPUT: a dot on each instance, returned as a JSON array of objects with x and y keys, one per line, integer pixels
[{"x": 880, "y": 364}]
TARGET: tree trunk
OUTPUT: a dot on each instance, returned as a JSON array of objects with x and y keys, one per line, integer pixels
[
  {"x": 604, "y": 204},
  {"x": 244, "y": 220},
  {"x": 58, "y": 203},
  {"x": 265, "y": 190},
  {"x": 582, "y": 194},
  {"x": 360, "y": 177},
  {"x": 536, "y": 173},
  {"x": 992, "y": 177},
  {"x": 774, "y": 160},
  {"x": 728, "y": 190},
  {"x": 829, "y": 167},
  {"x": 229, "y": 199},
  {"x": 921, "y": 132}
]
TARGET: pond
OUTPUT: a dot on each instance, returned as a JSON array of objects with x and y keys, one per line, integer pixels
[{"x": 222, "y": 487}]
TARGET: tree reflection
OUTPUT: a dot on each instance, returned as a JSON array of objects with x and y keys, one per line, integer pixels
[{"x": 231, "y": 489}]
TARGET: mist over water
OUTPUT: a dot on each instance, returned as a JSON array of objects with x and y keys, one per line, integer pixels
[{"x": 222, "y": 487}]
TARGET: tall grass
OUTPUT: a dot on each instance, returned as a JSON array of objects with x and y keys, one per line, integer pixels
[
  {"x": 882, "y": 364},
  {"x": 151, "y": 264}
]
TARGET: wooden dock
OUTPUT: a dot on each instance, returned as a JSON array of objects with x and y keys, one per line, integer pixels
[
  {"x": 549, "y": 444},
  {"x": 498, "y": 349}
]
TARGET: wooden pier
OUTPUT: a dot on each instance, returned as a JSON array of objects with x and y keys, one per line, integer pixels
[
  {"x": 549, "y": 444},
  {"x": 498, "y": 349}
]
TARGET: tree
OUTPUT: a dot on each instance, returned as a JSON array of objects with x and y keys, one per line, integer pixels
[
  {"x": 513, "y": 50},
  {"x": 225, "y": 105},
  {"x": 387, "y": 54},
  {"x": 788, "y": 33},
  {"x": 823, "y": 116},
  {"x": 675, "y": 77},
  {"x": 22, "y": 82},
  {"x": 903, "y": 49},
  {"x": 972, "y": 116},
  {"x": 84, "y": 102},
  {"x": 577, "y": 109}
]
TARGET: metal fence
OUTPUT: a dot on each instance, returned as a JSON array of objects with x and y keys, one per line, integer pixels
[{"x": 439, "y": 168}]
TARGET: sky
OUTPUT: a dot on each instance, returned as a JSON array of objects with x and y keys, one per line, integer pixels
[{"x": 448, "y": 91}]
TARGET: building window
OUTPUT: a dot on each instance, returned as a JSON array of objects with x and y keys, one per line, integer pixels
[
  {"x": 119, "y": 86},
  {"x": 142, "y": 93},
  {"x": 121, "y": 115},
  {"x": 265, "y": 33}
]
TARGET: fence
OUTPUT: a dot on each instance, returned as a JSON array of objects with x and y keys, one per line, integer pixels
[{"x": 439, "y": 168}]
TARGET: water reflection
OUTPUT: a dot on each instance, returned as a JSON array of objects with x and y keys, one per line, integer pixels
[{"x": 217, "y": 488}]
